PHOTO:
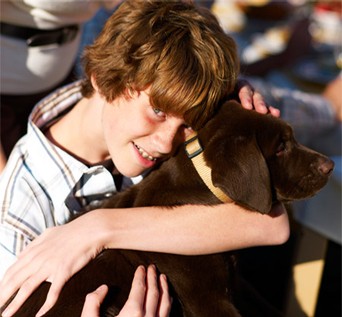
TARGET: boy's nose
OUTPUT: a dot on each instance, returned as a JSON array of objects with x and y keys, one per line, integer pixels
[
  {"x": 164, "y": 142},
  {"x": 165, "y": 139}
]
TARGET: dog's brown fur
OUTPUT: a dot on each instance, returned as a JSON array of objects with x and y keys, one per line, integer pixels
[{"x": 254, "y": 159}]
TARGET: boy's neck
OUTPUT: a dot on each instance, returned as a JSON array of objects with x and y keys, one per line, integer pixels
[{"x": 79, "y": 132}]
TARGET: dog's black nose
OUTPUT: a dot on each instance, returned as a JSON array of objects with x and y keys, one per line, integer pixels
[{"x": 326, "y": 166}]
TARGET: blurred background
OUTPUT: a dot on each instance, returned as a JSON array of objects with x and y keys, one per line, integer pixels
[
  {"x": 290, "y": 51},
  {"x": 296, "y": 44}
]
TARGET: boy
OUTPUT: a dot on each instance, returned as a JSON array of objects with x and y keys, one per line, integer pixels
[{"x": 157, "y": 70}]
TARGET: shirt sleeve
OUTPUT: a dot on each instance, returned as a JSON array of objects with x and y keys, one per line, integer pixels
[
  {"x": 310, "y": 114},
  {"x": 8, "y": 241},
  {"x": 26, "y": 211}
]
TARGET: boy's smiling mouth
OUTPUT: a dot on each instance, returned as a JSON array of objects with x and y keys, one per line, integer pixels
[{"x": 144, "y": 154}]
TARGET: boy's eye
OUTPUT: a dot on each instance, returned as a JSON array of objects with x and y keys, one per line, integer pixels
[{"x": 158, "y": 112}]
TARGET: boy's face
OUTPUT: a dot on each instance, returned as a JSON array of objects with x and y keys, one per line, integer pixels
[{"x": 138, "y": 135}]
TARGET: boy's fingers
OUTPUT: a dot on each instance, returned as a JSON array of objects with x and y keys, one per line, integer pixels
[
  {"x": 22, "y": 276},
  {"x": 138, "y": 289},
  {"x": 262, "y": 107},
  {"x": 93, "y": 302},
  {"x": 101, "y": 293},
  {"x": 165, "y": 298},
  {"x": 11, "y": 282},
  {"x": 245, "y": 96},
  {"x": 259, "y": 103},
  {"x": 274, "y": 112},
  {"x": 251, "y": 99},
  {"x": 152, "y": 294},
  {"x": 24, "y": 292},
  {"x": 52, "y": 296}
]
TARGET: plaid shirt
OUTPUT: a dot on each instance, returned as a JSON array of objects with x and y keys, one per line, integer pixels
[{"x": 43, "y": 186}]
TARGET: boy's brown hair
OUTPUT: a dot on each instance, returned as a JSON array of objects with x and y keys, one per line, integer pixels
[{"x": 174, "y": 48}]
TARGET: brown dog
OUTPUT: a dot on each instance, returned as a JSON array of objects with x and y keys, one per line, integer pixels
[{"x": 254, "y": 160}]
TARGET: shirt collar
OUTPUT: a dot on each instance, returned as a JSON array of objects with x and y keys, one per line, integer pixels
[{"x": 83, "y": 186}]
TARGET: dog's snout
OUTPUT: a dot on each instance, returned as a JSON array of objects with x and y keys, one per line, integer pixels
[{"x": 326, "y": 166}]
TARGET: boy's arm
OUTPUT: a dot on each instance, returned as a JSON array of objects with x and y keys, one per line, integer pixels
[
  {"x": 184, "y": 230},
  {"x": 194, "y": 230}
]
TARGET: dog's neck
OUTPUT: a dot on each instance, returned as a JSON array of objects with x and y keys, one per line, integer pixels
[{"x": 194, "y": 152}]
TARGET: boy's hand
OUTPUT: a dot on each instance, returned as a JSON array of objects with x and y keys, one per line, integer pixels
[
  {"x": 40, "y": 262},
  {"x": 251, "y": 99}
]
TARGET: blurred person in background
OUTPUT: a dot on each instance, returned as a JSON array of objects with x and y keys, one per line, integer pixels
[
  {"x": 39, "y": 43},
  {"x": 290, "y": 51}
]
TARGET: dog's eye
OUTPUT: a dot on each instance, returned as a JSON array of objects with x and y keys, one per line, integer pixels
[{"x": 281, "y": 149}]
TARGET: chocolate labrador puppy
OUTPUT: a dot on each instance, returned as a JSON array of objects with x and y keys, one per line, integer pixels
[{"x": 248, "y": 158}]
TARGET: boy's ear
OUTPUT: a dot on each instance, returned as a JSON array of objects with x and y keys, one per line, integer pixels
[{"x": 93, "y": 83}]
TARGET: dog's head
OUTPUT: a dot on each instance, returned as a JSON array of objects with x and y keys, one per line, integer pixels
[{"x": 256, "y": 160}]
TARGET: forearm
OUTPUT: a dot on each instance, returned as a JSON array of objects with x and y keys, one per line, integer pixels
[{"x": 190, "y": 229}]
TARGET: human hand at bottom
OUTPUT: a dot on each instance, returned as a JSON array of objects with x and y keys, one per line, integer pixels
[{"x": 149, "y": 296}]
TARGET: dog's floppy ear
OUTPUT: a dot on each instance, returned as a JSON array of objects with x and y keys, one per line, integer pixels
[{"x": 240, "y": 170}]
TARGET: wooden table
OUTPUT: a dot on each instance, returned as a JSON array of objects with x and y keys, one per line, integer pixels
[{"x": 320, "y": 220}]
